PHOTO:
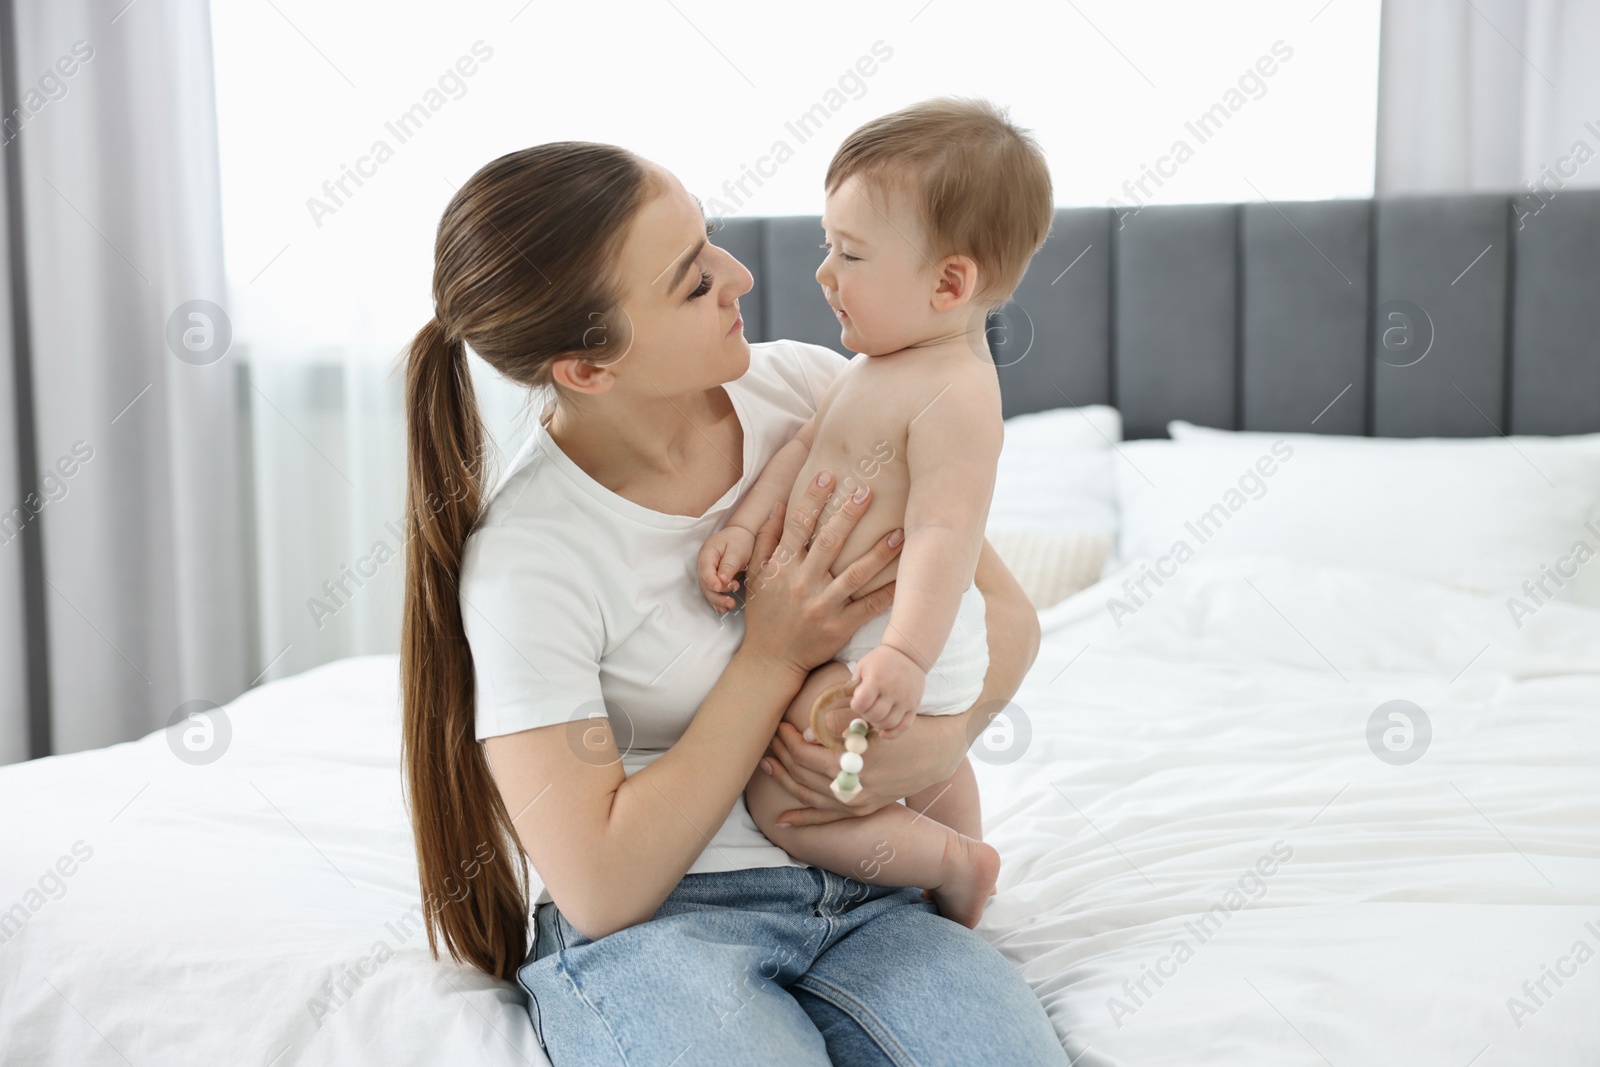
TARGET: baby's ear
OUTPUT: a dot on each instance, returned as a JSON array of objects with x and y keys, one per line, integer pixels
[{"x": 957, "y": 282}]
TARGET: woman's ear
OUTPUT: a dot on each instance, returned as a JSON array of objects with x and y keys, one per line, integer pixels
[
  {"x": 608, "y": 339},
  {"x": 575, "y": 373},
  {"x": 957, "y": 282}
]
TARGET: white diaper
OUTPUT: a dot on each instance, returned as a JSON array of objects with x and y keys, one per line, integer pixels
[{"x": 956, "y": 679}]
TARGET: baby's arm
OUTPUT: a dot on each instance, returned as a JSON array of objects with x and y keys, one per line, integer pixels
[
  {"x": 726, "y": 552},
  {"x": 952, "y": 449}
]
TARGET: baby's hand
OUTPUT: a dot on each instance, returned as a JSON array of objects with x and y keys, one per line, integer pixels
[
  {"x": 888, "y": 690},
  {"x": 723, "y": 556}
]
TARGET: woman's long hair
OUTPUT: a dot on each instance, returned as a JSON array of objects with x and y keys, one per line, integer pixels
[{"x": 523, "y": 273}]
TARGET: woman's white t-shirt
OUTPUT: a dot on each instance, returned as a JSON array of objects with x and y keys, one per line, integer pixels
[{"x": 578, "y": 602}]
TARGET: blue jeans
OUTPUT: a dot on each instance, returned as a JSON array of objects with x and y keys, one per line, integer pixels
[{"x": 777, "y": 966}]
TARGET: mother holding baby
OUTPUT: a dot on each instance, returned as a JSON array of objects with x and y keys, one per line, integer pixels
[{"x": 558, "y": 618}]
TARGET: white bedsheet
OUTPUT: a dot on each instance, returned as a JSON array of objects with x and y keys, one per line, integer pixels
[
  {"x": 219, "y": 898},
  {"x": 1228, "y": 714},
  {"x": 1166, "y": 758}
]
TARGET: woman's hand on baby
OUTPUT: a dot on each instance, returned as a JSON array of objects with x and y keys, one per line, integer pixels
[
  {"x": 797, "y": 613},
  {"x": 889, "y": 687},
  {"x": 722, "y": 557}
]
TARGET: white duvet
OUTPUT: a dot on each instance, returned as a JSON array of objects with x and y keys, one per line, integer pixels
[
  {"x": 219, "y": 899},
  {"x": 1221, "y": 732},
  {"x": 1200, "y": 776}
]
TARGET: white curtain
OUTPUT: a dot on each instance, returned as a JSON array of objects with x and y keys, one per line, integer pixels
[
  {"x": 15, "y": 510},
  {"x": 1492, "y": 95},
  {"x": 144, "y": 549},
  {"x": 328, "y": 441}
]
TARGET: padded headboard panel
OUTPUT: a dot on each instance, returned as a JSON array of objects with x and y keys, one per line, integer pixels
[{"x": 1450, "y": 316}]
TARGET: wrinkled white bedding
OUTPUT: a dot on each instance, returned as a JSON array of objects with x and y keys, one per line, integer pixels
[
  {"x": 1213, "y": 752},
  {"x": 218, "y": 900},
  {"x": 1163, "y": 764}
]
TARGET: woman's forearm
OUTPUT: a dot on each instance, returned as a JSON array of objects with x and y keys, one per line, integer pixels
[
  {"x": 664, "y": 815},
  {"x": 1013, "y": 625}
]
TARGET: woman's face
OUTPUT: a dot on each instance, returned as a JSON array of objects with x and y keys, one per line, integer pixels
[{"x": 680, "y": 295}]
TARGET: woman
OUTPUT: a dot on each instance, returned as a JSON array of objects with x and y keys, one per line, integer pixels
[{"x": 622, "y": 718}]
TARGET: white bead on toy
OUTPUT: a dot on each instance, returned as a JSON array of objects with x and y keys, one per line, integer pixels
[{"x": 850, "y": 761}]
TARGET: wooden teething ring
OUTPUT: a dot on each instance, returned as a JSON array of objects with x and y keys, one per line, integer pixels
[{"x": 853, "y": 744}]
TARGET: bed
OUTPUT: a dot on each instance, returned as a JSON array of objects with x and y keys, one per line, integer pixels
[{"x": 1320, "y": 794}]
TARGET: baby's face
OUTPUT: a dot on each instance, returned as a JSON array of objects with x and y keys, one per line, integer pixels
[{"x": 876, "y": 276}]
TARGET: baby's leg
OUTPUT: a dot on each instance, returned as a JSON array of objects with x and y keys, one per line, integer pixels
[
  {"x": 953, "y": 801},
  {"x": 893, "y": 846}
]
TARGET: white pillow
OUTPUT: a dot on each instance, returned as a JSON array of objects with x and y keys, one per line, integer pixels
[
  {"x": 1054, "y": 472},
  {"x": 1051, "y": 566},
  {"x": 1486, "y": 514}
]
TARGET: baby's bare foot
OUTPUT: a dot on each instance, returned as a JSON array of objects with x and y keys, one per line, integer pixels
[{"x": 971, "y": 870}]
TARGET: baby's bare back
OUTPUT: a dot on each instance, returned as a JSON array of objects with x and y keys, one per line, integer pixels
[{"x": 862, "y": 430}]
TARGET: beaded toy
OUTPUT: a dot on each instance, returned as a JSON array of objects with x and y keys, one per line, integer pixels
[{"x": 847, "y": 784}]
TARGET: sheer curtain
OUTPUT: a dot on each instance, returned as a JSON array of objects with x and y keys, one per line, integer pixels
[
  {"x": 135, "y": 400},
  {"x": 1493, "y": 95},
  {"x": 328, "y": 441}
]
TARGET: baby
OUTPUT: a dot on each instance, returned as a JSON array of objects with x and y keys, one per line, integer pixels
[{"x": 932, "y": 215}]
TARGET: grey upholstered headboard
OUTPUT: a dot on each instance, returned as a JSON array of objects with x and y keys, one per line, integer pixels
[{"x": 1452, "y": 316}]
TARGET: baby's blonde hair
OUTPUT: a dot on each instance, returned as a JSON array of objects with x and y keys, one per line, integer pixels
[{"x": 980, "y": 184}]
